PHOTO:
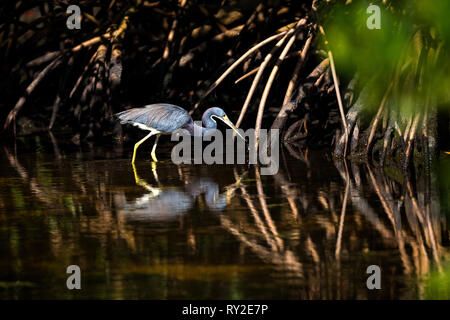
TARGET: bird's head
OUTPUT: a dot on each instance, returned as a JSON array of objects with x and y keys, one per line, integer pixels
[{"x": 210, "y": 116}]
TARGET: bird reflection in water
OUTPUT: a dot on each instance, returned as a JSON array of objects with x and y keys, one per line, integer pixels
[{"x": 169, "y": 203}]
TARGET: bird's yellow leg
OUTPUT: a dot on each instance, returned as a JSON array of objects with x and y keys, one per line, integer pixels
[
  {"x": 138, "y": 180},
  {"x": 155, "y": 174},
  {"x": 136, "y": 176},
  {"x": 155, "y": 191},
  {"x": 139, "y": 143},
  {"x": 154, "y": 149}
]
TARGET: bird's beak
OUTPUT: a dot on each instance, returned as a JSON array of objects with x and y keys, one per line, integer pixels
[{"x": 231, "y": 125}]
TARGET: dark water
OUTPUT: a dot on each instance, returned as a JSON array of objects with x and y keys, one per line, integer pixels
[{"x": 214, "y": 232}]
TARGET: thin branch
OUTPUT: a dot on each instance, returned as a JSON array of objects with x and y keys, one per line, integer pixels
[
  {"x": 259, "y": 74},
  {"x": 52, "y": 55},
  {"x": 338, "y": 93},
  {"x": 377, "y": 117},
  {"x": 337, "y": 252},
  {"x": 269, "y": 83},
  {"x": 296, "y": 72},
  {"x": 13, "y": 113},
  {"x": 248, "y": 74},
  {"x": 237, "y": 62}
]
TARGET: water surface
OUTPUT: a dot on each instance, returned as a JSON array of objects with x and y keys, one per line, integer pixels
[{"x": 164, "y": 231}]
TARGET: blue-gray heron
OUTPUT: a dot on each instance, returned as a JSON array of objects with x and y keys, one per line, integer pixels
[{"x": 163, "y": 118}]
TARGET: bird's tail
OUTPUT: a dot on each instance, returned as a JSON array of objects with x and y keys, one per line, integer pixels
[
  {"x": 122, "y": 116},
  {"x": 121, "y": 113}
]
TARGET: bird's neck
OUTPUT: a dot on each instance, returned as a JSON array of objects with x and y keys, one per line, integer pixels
[{"x": 196, "y": 130}]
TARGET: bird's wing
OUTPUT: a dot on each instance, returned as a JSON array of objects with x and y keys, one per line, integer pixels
[{"x": 161, "y": 116}]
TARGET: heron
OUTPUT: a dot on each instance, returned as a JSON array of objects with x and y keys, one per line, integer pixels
[
  {"x": 164, "y": 118},
  {"x": 164, "y": 203}
]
